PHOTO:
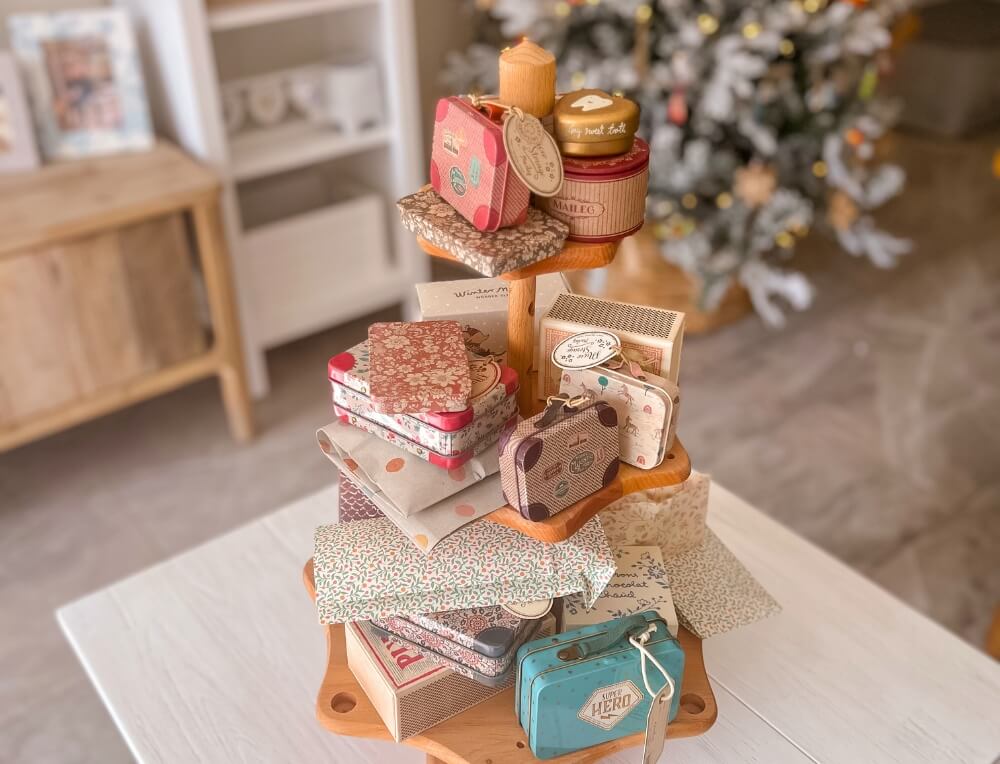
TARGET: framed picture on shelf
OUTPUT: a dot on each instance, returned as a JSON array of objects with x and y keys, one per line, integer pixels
[
  {"x": 84, "y": 78},
  {"x": 17, "y": 137}
]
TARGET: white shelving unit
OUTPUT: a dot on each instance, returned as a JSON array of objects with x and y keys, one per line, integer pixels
[{"x": 328, "y": 257}]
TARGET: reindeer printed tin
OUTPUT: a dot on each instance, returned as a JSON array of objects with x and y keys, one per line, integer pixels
[
  {"x": 646, "y": 405},
  {"x": 559, "y": 457},
  {"x": 602, "y": 199}
]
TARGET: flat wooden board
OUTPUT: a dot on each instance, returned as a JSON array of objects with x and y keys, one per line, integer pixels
[
  {"x": 70, "y": 199},
  {"x": 490, "y": 253},
  {"x": 675, "y": 469},
  {"x": 489, "y": 732}
]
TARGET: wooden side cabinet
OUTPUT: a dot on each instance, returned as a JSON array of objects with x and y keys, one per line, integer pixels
[{"x": 98, "y": 305}]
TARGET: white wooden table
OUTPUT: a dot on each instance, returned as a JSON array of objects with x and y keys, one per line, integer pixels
[{"x": 216, "y": 656}]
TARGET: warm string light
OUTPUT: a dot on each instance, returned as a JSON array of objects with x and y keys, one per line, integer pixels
[
  {"x": 577, "y": 80},
  {"x": 819, "y": 169},
  {"x": 751, "y": 30},
  {"x": 784, "y": 239},
  {"x": 724, "y": 200},
  {"x": 562, "y": 9},
  {"x": 707, "y": 23},
  {"x": 786, "y": 48},
  {"x": 689, "y": 201},
  {"x": 643, "y": 13}
]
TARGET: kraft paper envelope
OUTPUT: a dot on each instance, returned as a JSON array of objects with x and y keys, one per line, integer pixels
[
  {"x": 424, "y": 501},
  {"x": 368, "y": 569},
  {"x": 713, "y": 592}
]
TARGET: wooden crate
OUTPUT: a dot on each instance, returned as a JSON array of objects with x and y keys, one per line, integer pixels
[{"x": 86, "y": 315}]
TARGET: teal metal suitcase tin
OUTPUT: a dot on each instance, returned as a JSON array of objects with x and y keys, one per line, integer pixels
[{"x": 585, "y": 687}]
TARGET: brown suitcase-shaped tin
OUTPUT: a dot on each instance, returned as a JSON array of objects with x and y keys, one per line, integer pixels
[{"x": 560, "y": 456}]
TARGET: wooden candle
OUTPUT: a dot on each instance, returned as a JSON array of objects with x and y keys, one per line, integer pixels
[{"x": 528, "y": 78}]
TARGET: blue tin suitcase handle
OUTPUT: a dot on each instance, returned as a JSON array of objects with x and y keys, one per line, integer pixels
[{"x": 619, "y": 632}]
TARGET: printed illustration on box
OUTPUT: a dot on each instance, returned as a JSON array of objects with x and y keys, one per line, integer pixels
[
  {"x": 584, "y": 687},
  {"x": 418, "y": 367},
  {"x": 651, "y": 337},
  {"x": 646, "y": 404},
  {"x": 470, "y": 168},
  {"x": 560, "y": 456},
  {"x": 640, "y": 584}
]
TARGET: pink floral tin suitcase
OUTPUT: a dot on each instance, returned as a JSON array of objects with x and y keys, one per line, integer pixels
[
  {"x": 560, "y": 456},
  {"x": 469, "y": 167},
  {"x": 647, "y": 407}
]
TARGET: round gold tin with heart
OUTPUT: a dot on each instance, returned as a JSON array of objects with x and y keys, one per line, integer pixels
[{"x": 591, "y": 123}]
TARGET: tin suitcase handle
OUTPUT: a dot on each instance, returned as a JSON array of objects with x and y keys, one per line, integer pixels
[{"x": 622, "y": 629}]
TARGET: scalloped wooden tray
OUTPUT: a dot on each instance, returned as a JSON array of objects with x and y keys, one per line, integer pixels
[
  {"x": 675, "y": 468},
  {"x": 575, "y": 256},
  {"x": 489, "y": 732}
]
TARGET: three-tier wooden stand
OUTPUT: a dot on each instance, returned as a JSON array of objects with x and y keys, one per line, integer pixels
[{"x": 489, "y": 733}]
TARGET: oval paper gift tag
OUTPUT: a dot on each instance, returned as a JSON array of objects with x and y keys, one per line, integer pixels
[
  {"x": 485, "y": 373},
  {"x": 585, "y": 350},
  {"x": 529, "y": 610},
  {"x": 533, "y": 153}
]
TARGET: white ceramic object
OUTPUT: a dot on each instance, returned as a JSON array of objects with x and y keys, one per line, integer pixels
[
  {"x": 352, "y": 97},
  {"x": 266, "y": 100},
  {"x": 234, "y": 113}
]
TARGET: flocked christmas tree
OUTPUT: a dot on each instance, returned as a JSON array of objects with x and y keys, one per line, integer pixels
[{"x": 762, "y": 115}]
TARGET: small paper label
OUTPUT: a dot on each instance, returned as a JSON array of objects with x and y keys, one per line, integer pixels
[
  {"x": 533, "y": 154},
  {"x": 529, "y": 610},
  {"x": 656, "y": 725},
  {"x": 485, "y": 375},
  {"x": 609, "y": 705},
  {"x": 585, "y": 350}
]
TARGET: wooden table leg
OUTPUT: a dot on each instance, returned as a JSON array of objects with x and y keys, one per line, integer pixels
[
  {"x": 521, "y": 338},
  {"x": 214, "y": 256}
]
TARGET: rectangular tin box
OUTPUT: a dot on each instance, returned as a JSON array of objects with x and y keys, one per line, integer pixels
[
  {"x": 490, "y": 414},
  {"x": 647, "y": 409},
  {"x": 410, "y": 692},
  {"x": 469, "y": 167},
  {"x": 559, "y": 457},
  {"x": 495, "y": 671},
  {"x": 352, "y": 369},
  {"x": 652, "y": 337},
  {"x": 566, "y": 703}
]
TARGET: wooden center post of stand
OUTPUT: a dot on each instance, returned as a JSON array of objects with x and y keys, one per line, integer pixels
[
  {"x": 521, "y": 339},
  {"x": 528, "y": 81}
]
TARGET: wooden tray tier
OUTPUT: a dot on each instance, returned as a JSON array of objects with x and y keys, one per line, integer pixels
[
  {"x": 489, "y": 732},
  {"x": 676, "y": 468},
  {"x": 575, "y": 256}
]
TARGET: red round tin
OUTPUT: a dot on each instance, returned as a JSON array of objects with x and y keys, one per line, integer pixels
[{"x": 604, "y": 198}]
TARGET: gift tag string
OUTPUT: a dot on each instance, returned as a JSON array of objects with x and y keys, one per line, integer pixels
[{"x": 639, "y": 643}]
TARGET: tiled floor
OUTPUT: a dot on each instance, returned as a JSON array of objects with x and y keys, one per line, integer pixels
[{"x": 871, "y": 425}]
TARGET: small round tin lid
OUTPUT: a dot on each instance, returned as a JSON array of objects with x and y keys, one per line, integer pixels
[{"x": 610, "y": 167}]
